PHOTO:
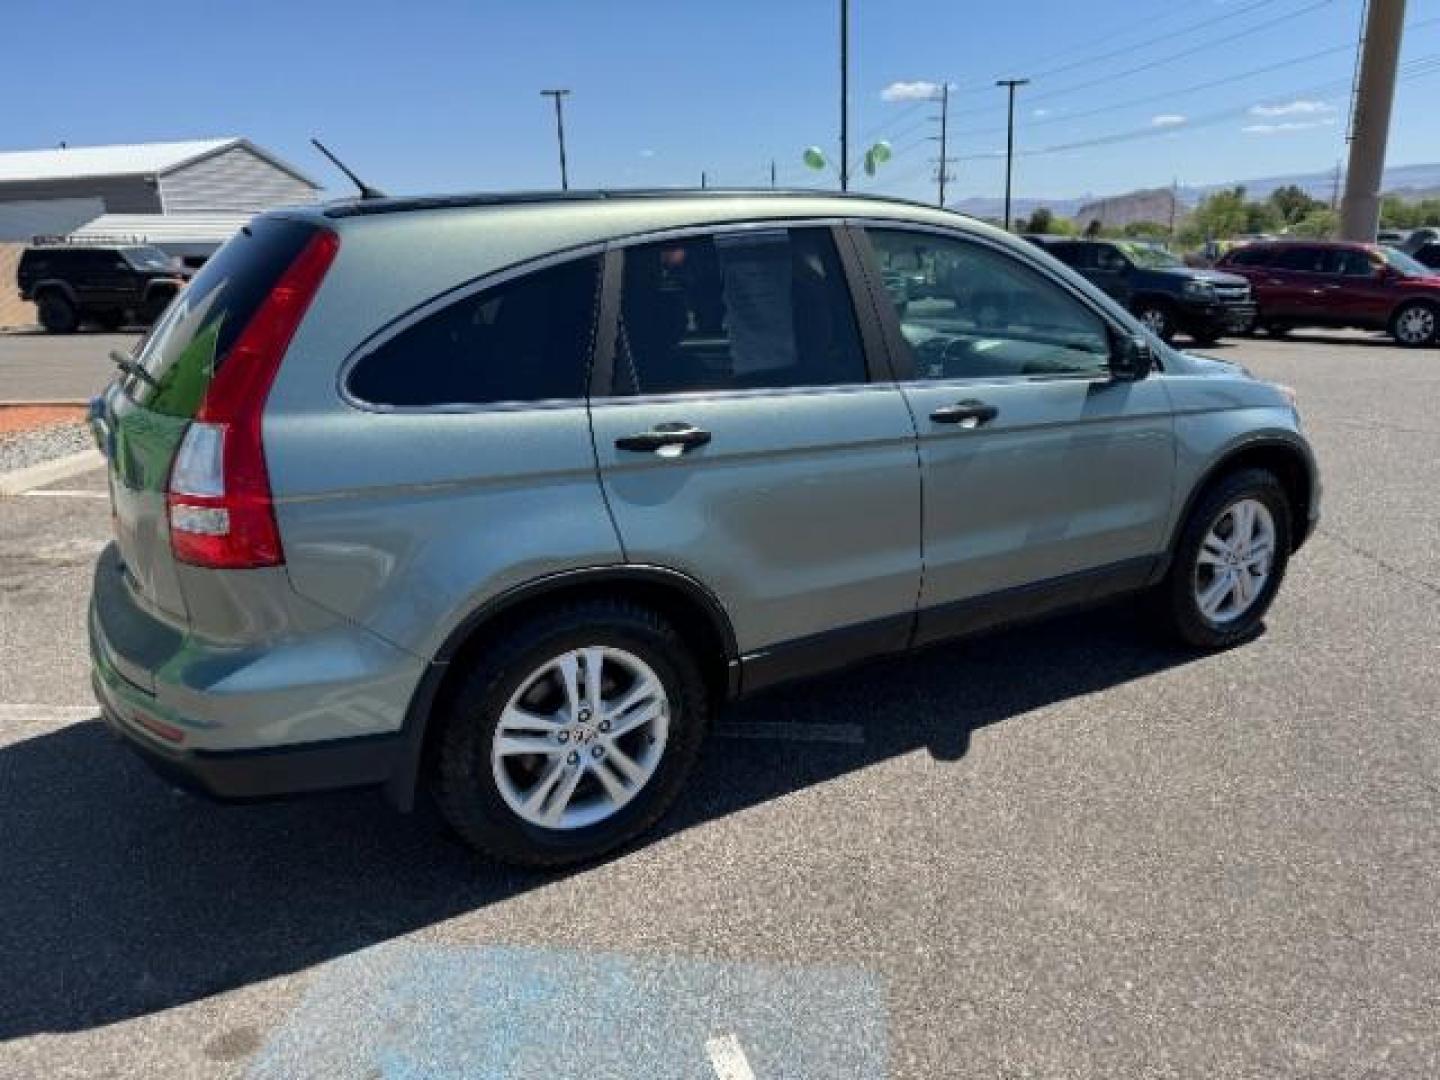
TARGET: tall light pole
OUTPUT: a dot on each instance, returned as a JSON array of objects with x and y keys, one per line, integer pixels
[
  {"x": 1360, "y": 210},
  {"x": 1010, "y": 84},
  {"x": 560, "y": 132},
  {"x": 942, "y": 174},
  {"x": 844, "y": 95}
]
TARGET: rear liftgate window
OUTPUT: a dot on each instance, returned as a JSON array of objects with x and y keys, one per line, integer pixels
[{"x": 192, "y": 341}]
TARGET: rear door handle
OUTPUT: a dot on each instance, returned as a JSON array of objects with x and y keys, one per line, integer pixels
[
  {"x": 668, "y": 440},
  {"x": 969, "y": 413}
]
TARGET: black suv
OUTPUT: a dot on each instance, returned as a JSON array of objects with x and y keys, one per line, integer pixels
[
  {"x": 110, "y": 285},
  {"x": 1162, "y": 292}
]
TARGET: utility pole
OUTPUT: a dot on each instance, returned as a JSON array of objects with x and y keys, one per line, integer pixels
[
  {"x": 772, "y": 172},
  {"x": 560, "y": 132},
  {"x": 1174, "y": 202},
  {"x": 702, "y": 180},
  {"x": 1374, "y": 96},
  {"x": 1335, "y": 188},
  {"x": 1010, "y": 85},
  {"x": 844, "y": 95},
  {"x": 942, "y": 172}
]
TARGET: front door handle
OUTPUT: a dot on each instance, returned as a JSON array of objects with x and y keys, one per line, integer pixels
[
  {"x": 667, "y": 440},
  {"x": 969, "y": 413}
]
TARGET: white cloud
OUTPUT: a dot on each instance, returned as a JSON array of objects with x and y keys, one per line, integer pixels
[
  {"x": 919, "y": 90},
  {"x": 1287, "y": 125},
  {"x": 1298, "y": 107},
  {"x": 1167, "y": 120},
  {"x": 1040, "y": 113},
  {"x": 647, "y": 152}
]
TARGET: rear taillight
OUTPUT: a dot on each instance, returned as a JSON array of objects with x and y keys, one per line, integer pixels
[{"x": 221, "y": 511}]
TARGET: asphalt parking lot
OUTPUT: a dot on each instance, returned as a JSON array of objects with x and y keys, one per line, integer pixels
[{"x": 1061, "y": 851}]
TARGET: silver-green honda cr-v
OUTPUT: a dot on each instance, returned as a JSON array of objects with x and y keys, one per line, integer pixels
[{"x": 500, "y": 495}]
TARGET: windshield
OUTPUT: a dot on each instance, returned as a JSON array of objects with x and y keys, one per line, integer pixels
[
  {"x": 1152, "y": 258},
  {"x": 147, "y": 258},
  {"x": 1405, "y": 264}
]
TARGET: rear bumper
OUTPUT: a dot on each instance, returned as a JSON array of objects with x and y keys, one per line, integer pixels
[
  {"x": 291, "y": 714},
  {"x": 242, "y": 775}
]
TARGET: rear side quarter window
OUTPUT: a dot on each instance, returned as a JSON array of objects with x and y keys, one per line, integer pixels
[{"x": 527, "y": 339}]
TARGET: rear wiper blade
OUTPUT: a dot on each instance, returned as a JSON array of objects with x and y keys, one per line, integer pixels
[{"x": 130, "y": 367}]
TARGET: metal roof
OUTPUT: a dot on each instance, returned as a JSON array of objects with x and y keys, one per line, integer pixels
[
  {"x": 136, "y": 159},
  {"x": 163, "y": 228}
]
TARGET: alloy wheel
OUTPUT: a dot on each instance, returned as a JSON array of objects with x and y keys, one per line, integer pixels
[
  {"x": 1234, "y": 563},
  {"x": 1415, "y": 325},
  {"x": 580, "y": 738}
]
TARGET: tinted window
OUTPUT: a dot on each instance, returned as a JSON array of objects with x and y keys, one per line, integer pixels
[
  {"x": 1309, "y": 260},
  {"x": 1350, "y": 262},
  {"x": 147, "y": 258},
  {"x": 192, "y": 340},
  {"x": 1109, "y": 258},
  {"x": 751, "y": 309},
  {"x": 1429, "y": 255},
  {"x": 1250, "y": 255},
  {"x": 527, "y": 339},
  {"x": 1080, "y": 256},
  {"x": 973, "y": 312}
]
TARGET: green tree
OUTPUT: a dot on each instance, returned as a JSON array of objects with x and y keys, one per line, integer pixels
[
  {"x": 1220, "y": 215},
  {"x": 1042, "y": 220},
  {"x": 1319, "y": 224},
  {"x": 1292, "y": 203},
  {"x": 1145, "y": 230}
]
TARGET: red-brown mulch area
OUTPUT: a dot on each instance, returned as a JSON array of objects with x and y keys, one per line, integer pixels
[{"x": 17, "y": 418}]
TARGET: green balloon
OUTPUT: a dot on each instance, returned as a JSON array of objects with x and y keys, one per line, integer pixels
[
  {"x": 870, "y": 162},
  {"x": 881, "y": 151},
  {"x": 814, "y": 157}
]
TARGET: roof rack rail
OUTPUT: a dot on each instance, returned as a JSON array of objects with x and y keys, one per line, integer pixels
[
  {"x": 397, "y": 204},
  {"x": 99, "y": 240}
]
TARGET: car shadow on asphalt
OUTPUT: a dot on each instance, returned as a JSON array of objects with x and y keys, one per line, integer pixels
[{"x": 122, "y": 897}]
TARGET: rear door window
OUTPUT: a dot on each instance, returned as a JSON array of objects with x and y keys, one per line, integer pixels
[
  {"x": 525, "y": 340},
  {"x": 745, "y": 310},
  {"x": 1305, "y": 260},
  {"x": 1250, "y": 256},
  {"x": 192, "y": 341}
]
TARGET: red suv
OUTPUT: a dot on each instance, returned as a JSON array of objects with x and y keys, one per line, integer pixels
[{"x": 1334, "y": 283}]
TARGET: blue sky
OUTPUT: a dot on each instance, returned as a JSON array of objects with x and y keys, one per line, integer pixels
[{"x": 443, "y": 96}]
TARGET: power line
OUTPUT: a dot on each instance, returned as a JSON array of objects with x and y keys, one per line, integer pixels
[{"x": 1150, "y": 65}]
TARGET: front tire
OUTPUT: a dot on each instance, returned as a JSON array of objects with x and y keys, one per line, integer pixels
[
  {"x": 1416, "y": 324},
  {"x": 1229, "y": 562},
  {"x": 571, "y": 736},
  {"x": 1155, "y": 316}
]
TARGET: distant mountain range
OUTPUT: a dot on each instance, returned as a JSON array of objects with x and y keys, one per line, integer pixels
[{"x": 1410, "y": 181}]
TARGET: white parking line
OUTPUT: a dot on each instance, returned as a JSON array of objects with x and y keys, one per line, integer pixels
[
  {"x": 850, "y": 734},
  {"x": 728, "y": 1059}
]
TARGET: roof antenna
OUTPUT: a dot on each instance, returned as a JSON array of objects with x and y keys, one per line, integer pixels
[{"x": 366, "y": 191}]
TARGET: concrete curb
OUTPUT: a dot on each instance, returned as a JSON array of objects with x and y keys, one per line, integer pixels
[
  {"x": 47, "y": 403},
  {"x": 18, "y": 481}
]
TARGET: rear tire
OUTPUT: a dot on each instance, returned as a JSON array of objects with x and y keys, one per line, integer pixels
[
  {"x": 1223, "y": 578},
  {"x": 1415, "y": 324},
  {"x": 1277, "y": 329},
  {"x": 57, "y": 313},
  {"x": 532, "y": 688}
]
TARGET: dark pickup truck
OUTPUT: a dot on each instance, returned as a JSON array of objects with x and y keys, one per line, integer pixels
[
  {"x": 112, "y": 285},
  {"x": 1162, "y": 292}
]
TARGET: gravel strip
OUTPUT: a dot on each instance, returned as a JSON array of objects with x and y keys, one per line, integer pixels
[{"x": 30, "y": 447}]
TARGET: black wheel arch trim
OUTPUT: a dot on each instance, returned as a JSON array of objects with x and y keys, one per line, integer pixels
[
  {"x": 401, "y": 785},
  {"x": 60, "y": 285},
  {"x": 1224, "y": 461}
]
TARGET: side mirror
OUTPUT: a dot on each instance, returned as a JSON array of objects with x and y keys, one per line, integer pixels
[{"x": 1131, "y": 359}]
